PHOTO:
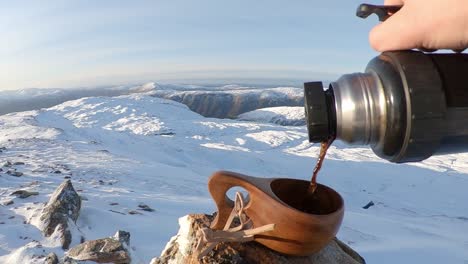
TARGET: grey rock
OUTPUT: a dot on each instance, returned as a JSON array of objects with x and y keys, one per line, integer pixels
[
  {"x": 18, "y": 163},
  {"x": 7, "y": 164},
  {"x": 336, "y": 252},
  {"x": 117, "y": 212},
  {"x": 67, "y": 260},
  {"x": 9, "y": 202},
  {"x": 64, "y": 205},
  {"x": 51, "y": 259},
  {"x": 105, "y": 250},
  {"x": 14, "y": 173},
  {"x": 23, "y": 194},
  {"x": 165, "y": 134},
  {"x": 368, "y": 205},
  {"x": 145, "y": 207},
  {"x": 123, "y": 237}
]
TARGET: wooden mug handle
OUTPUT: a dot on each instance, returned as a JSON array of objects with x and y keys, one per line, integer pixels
[{"x": 218, "y": 185}]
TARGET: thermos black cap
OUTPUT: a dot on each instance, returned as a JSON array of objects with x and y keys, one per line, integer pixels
[{"x": 317, "y": 113}]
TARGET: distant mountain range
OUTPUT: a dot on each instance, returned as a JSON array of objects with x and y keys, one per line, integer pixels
[{"x": 229, "y": 101}]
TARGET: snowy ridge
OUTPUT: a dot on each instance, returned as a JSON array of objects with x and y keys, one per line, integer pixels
[
  {"x": 231, "y": 100},
  {"x": 127, "y": 150},
  {"x": 34, "y": 99},
  {"x": 281, "y": 115}
]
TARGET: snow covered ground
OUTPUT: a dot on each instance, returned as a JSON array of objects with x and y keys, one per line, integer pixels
[{"x": 127, "y": 150}]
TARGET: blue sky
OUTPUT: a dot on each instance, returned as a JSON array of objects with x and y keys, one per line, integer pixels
[{"x": 87, "y": 43}]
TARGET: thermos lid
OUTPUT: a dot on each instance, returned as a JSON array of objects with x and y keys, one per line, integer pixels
[{"x": 316, "y": 112}]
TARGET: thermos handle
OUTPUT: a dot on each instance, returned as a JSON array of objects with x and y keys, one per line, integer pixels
[{"x": 382, "y": 11}]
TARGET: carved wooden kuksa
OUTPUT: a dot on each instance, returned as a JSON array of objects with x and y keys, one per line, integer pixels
[{"x": 275, "y": 201}]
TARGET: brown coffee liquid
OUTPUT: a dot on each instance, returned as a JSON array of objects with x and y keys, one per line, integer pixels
[
  {"x": 323, "y": 152},
  {"x": 313, "y": 202}
]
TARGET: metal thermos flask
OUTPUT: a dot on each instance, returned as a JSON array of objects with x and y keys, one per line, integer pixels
[{"x": 407, "y": 106}]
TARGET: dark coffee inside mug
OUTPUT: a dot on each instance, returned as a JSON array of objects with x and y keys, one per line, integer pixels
[{"x": 295, "y": 194}]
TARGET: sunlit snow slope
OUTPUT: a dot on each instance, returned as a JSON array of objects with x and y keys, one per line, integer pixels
[
  {"x": 140, "y": 149},
  {"x": 281, "y": 115}
]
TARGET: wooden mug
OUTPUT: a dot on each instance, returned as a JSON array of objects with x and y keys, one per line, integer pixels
[{"x": 275, "y": 201}]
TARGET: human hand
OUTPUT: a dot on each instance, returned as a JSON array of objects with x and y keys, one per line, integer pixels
[{"x": 423, "y": 24}]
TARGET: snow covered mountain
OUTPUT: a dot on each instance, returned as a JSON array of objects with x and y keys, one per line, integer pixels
[
  {"x": 31, "y": 99},
  {"x": 121, "y": 152},
  {"x": 281, "y": 115},
  {"x": 230, "y": 100}
]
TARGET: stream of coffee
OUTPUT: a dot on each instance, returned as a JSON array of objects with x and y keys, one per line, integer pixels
[
  {"x": 313, "y": 201},
  {"x": 323, "y": 152}
]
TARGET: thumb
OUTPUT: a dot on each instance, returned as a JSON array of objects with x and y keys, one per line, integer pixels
[{"x": 398, "y": 32}]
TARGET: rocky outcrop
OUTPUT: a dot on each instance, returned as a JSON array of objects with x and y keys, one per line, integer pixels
[
  {"x": 105, "y": 250},
  {"x": 63, "y": 206},
  {"x": 231, "y": 103},
  {"x": 51, "y": 259},
  {"x": 181, "y": 249},
  {"x": 23, "y": 194}
]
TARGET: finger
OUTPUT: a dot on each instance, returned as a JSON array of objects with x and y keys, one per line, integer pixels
[
  {"x": 427, "y": 50},
  {"x": 393, "y": 2},
  {"x": 458, "y": 50},
  {"x": 398, "y": 32}
]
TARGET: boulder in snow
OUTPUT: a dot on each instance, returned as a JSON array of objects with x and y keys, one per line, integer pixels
[
  {"x": 23, "y": 193},
  {"x": 104, "y": 250},
  {"x": 51, "y": 259},
  {"x": 181, "y": 249},
  {"x": 14, "y": 173},
  {"x": 64, "y": 205}
]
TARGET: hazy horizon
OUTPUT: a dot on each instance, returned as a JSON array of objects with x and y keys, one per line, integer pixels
[
  {"x": 89, "y": 43},
  {"x": 214, "y": 82}
]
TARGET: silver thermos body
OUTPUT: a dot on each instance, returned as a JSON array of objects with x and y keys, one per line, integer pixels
[{"x": 407, "y": 106}]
